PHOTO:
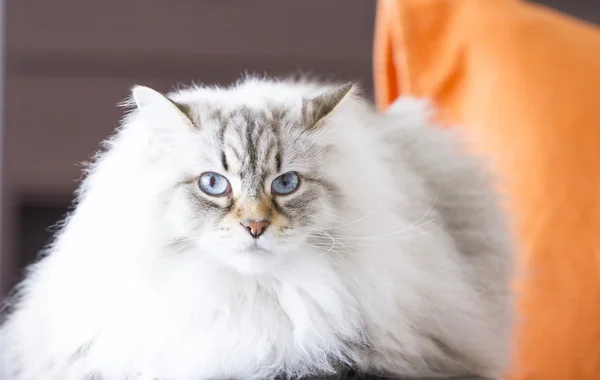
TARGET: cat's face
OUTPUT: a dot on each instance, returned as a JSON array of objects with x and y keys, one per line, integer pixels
[
  {"x": 257, "y": 185},
  {"x": 255, "y": 198}
]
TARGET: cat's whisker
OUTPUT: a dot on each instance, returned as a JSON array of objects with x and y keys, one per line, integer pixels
[
  {"x": 364, "y": 243},
  {"x": 182, "y": 248},
  {"x": 377, "y": 242},
  {"x": 388, "y": 236},
  {"x": 317, "y": 246},
  {"x": 324, "y": 234},
  {"x": 410, "y": 227},
  {"x": 375, "y": 258},
  {"x": 333, "y": 244},
  {"x": 358, "y": 219},
  {"x": 428, "y": 210}
]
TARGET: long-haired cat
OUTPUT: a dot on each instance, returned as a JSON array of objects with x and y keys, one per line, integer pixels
[{"x": 271, "y": 228}]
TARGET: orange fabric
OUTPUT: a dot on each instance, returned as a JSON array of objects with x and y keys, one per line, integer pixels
[{"x": 528, "y": 79}]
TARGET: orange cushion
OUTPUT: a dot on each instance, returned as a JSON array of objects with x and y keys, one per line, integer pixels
[{"x": 526, "y": 79}]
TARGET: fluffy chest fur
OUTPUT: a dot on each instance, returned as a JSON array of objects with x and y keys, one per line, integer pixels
[{"x": 226, "y": 326}]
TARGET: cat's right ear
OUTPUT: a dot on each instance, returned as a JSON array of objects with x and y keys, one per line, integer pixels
[{"x": 159, "y": 110}]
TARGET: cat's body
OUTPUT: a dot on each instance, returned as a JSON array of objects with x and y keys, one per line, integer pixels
[{"x": 390, "y": 256}]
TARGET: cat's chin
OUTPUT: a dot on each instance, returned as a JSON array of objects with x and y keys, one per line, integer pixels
[{"x": 252, "y": 259}]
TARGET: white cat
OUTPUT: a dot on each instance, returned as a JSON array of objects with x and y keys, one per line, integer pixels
[{"x": 271, "y": 228}]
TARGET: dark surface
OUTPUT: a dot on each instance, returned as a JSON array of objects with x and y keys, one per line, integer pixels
[
  {"x": 355, "y": 376},
  {"x": 345, "y": 372},
  {"x": 368, "y": 377}
]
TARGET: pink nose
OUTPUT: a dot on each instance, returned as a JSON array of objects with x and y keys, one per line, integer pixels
[{"x": 255, "y": 228}]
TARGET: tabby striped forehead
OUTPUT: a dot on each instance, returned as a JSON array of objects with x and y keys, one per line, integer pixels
[{"x": 250, "y": 143}]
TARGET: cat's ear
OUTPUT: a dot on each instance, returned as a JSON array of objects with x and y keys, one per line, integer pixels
[
  {"x": 317, "y": 109},
  {"x": 159, "y": 110}
]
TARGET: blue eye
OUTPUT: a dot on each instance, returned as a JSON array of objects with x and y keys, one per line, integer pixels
[
  {"x": 286, "y": 183},
  {"x": 214, "y": 184}
]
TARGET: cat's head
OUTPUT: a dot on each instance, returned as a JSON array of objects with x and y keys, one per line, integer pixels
[{"x": 255, "y": 174}]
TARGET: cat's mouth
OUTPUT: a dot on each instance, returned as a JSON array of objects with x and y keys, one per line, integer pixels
[{"x": 255, "y": 247}]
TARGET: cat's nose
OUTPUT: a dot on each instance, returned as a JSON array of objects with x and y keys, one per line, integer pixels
[{"x": 255, "y": 227}]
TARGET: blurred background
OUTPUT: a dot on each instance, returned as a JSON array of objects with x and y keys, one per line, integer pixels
[{"x": 67, "y": 63}]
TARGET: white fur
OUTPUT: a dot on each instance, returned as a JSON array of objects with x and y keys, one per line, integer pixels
[{"x": 112, "y": 288}]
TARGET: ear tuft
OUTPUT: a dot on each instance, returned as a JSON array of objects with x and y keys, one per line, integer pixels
[
  {"x": 316, "y": 109},
  {"x": 157, "y": 109}
]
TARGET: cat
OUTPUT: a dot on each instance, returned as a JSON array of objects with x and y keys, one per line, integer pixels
[{"x": 272, "y": 228}]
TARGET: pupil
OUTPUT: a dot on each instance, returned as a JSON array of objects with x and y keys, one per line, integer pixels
[{"x": 212, "y": 181}]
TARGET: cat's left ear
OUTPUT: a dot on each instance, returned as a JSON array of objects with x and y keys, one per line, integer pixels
[
  {"x": 159, "y": 110},
  {"x": 317, "y": 109}
]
